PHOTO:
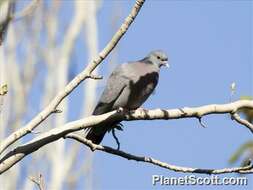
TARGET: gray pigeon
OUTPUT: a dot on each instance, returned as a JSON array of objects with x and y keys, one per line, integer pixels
[{"x": 128, "y": 86}]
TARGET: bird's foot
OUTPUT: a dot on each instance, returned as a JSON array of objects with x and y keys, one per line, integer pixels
[
  {"x": 119, "y": 126},
  {"x": 116, "y": 138}
]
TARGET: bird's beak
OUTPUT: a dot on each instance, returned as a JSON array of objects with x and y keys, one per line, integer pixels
[{"x": 166, "y": 64}]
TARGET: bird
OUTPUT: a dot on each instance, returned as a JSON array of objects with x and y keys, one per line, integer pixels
[{"x": 128, "y": 87}]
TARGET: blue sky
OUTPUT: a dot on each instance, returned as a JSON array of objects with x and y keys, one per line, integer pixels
[{"x": 209, "y": 44}]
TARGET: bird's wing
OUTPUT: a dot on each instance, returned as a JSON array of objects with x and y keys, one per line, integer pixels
[{"x": 114, "y": 87}]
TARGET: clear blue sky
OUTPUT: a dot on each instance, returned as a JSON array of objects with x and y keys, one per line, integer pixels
[{"x": 210, "y": 46}]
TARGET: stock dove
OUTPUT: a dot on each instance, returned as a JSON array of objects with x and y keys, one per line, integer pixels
[{"x": 128, "y": 87}]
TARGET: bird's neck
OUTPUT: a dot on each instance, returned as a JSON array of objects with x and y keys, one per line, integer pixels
[{"x": 149, "y": 62}]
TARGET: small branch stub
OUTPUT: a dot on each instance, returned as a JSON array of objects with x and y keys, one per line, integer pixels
[{"x": 95, "y": 77}]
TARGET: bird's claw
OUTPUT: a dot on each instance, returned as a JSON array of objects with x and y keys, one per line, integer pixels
[{"x": 116, "y": 139}]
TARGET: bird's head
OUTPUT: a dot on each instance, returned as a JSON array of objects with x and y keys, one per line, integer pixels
[{"x": 159, "y": 58}]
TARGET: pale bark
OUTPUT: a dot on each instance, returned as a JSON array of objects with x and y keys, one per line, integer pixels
[{"x": 20, "y": 152}]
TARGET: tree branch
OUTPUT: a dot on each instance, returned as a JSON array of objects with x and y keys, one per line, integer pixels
[
  {"x": 86, "y": 73},
  {"x": 38, "y": 181},
  {"x": 52, "y": 135},
  {"x": 27, "y": 10},
  {"x": 244, "y": 122},
  {"x": 10, "y": 16},
  {"x": 6, "y": 12},
  {"x": 154, "y": 161}
]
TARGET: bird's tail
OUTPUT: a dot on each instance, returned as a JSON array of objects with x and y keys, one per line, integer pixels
[{"x": 95, "y": 134}]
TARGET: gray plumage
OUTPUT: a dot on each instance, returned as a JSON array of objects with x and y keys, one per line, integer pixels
[{"x": 128, "y": 86}]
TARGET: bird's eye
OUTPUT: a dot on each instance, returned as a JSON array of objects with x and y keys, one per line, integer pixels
[{"x": 158, "y": 57}]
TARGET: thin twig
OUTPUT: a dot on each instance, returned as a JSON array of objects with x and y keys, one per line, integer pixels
[
  {"x": 201, "y": 122},
  {"x": 157, "y": 162},
  {"x": 39, "y": 182},
  {"x": 26, "y": 11},
  {"x": 244, "y": 122}
]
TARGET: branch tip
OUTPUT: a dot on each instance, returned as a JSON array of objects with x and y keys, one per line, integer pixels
[
  {"x": 57, "y": 111},
  {"x": 95, "y": 77},
  {"x": 201, "y": 122},
  {"x": 38, "y": 181}
]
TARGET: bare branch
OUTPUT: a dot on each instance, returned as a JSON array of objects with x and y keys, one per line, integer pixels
[
  {"x": 157, "y": 162},
  {"x": 8, "y": 9},
  {"x": 86, "y": 73},
  {"x": 52, "y": 135},
  {"x": 244, "y": 122},
  {"x": 38, "y": 181},
  {"x": 6, "y": 12},
  {"x": 27, "y": 10},
  {"x": 197, "y": 112}
]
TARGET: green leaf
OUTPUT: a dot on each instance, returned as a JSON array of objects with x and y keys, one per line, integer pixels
[
  {"x": 246, "y": 98},
  {"x": 238, "y": 153}
]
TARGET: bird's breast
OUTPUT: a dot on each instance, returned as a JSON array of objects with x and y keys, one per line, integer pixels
[{"x": 137, "y": 91}]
